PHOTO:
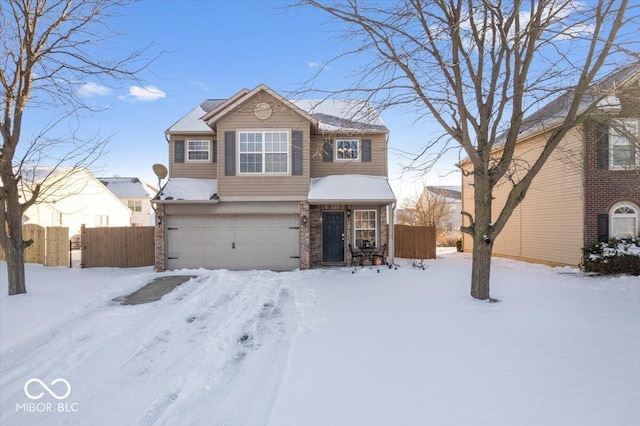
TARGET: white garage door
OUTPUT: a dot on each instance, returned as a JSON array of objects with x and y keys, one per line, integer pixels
[{"x": 237, "y": 242}]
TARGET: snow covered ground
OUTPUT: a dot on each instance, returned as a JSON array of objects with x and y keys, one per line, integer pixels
[{"x": 323, "y": 347}]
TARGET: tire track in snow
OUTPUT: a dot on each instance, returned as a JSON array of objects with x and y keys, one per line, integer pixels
[{"x": 159, "y": 363}]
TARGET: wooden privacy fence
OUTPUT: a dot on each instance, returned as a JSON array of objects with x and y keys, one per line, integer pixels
[
  {"x": 122, "y": 247},
  {"x": 50, "y": 245},
  {"x": 415, "y": 242}
]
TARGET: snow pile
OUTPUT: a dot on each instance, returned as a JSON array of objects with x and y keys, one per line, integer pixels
[
  {"x": 350, "y": 188},
  {"x": 325, "y": 347},
  {"x": 188, "y": 189}
]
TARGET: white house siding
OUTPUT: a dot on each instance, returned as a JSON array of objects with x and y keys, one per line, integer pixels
[
  {"x": 81, "y": 199},
  {"x": 547, "y": 227}
]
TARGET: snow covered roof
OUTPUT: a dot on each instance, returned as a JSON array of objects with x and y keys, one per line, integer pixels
[
  {"x": 128, "y": 187},
  {"x": 188, "y": 189},
  {"x": 350, "y": 189},
  {"x": 192, "y": 121},
  {"x": 343, "y": 114},
  {"x": 599, "y": 94},
  {"x": 331, "y": 114},
  {"x": 449, "y": 193}
]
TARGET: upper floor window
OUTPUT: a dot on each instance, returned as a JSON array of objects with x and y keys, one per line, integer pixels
[
  {"x": 347, "y": 149},
  {"x": 135, "y": 205},
  {"x": 56, "y": 219},
  {"x": 198, "y": 150},
  {"x": 102, "y": 220},
  {"x": 264, "y": 152},
  {"x": 624, "y": 152},
  {"x": 624, "y": 220}
]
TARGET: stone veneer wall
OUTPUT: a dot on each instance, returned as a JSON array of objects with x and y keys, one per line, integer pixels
[
  {"x": 160, "y": 255},
  {"x": 305, "y": 236}
]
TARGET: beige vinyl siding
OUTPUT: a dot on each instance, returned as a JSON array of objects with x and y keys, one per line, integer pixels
[
  {"x": 264, "y": 185},
  {"x": 376, "y": 167},
  {"x": 188, "y": 169},
  {"x": 547, "y": 227}
]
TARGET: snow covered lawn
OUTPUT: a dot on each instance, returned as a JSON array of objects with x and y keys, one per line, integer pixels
[{"x": 323, "y": 347}]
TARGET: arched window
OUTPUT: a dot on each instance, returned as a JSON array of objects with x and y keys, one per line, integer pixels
[{"x": 624, "y": 220}]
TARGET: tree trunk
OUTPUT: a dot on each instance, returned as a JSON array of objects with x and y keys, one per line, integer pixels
[
  {"x": 481, "y": 269},
  {"x": 15, "y": 269}
]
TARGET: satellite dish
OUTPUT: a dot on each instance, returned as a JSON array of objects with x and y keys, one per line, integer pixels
[{"x": 160, "y": 171}]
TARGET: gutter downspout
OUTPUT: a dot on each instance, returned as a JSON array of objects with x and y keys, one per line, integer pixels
[{"x": 391, "y": 243}]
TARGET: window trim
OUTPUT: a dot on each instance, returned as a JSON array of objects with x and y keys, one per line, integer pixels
[
  {"x": 355, "y": 228},
  {"x": 264, "y": 152},
  {"x": 615, "y": 136},
  {"x": 136, "y": 203},
  {"x": 613, "y": 216},
  {"x": 358, "y": 148},
  {"x": 188, "y": 151}
]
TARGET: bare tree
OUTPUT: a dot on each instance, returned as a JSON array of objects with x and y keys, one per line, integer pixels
[
  {"x": 476, "y": 67},
  {"x": 48, "y": 50},
  {"x": 424, "y": 210}
]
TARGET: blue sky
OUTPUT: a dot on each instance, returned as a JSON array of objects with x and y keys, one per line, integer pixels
[{"x": 212, "y": 50}]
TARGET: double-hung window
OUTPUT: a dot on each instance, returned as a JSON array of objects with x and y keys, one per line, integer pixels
[
  {"x": 265, "y": 152},
  {"x": 198, "y": 150},
  {"x": 624, "y": 151},
  {"x": 347, "y": 149},
  {"x": 365, "y": 228}
]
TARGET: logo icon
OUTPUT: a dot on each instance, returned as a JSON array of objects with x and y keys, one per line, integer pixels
[{"x": 46, "y": 388}]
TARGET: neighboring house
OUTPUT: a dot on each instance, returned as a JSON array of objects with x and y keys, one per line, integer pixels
[
  {"x": 451, "y": 196},
  {"x": 589, "y": 189},
  {"x": 136, "y": 194},
  {"x": 257, "y": 181},
  {"x": 72, "y": 197}
]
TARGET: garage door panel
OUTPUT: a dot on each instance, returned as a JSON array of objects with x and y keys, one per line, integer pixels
[{"x": 238, "y": 242}]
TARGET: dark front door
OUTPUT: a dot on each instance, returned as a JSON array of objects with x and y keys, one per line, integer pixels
[{"x": 332, "y": 237}]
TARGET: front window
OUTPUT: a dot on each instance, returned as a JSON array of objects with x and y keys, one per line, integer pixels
[
  {"x": 623, "y": 145},
  {"x": 264, "y": 152},
  {"x": 198, "y": 150},
  {"x": 365, "y": 228},
  {"x": 135, "y": 205},
  {"x": 347, "y": 149},
  {"x": 624, "y": 220}
]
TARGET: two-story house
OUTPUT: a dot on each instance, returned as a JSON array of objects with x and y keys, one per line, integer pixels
[
  {"x": 257, "y": 181},
  {"x": 588, "y": 190},
  {"x": 136, "y": 194}
]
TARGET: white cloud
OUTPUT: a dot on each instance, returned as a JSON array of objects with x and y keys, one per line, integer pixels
[
  {"x": 93, "y": 89},
  {"x": 147, "y": 93},
  {"x": 313, "y": 64}
]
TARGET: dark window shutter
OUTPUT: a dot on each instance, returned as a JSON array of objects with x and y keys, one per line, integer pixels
[
  {"x": 366, "y": 150},
  {"x": 603, "y": 146},
  {"x": 327, "y": 152},
  {"x": 296, "y": 142},
  {"x": 179, "y": 152},
  {"x": 229, "y": 153},
  {"x": 603, "y": 228},
  {"x": 214, "y": 151}
]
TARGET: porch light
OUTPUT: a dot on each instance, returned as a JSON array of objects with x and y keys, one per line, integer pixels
[
  {"x": 305, "y": 220},
  {"x": 348, "y": 212}
]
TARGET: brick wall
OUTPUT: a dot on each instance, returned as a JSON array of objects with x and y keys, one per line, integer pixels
[{"x": 603, "y": 188}]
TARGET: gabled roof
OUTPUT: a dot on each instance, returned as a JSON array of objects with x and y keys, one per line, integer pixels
[
  {"x": 329, "y": 115},
  {"x": 602, "y": 93},
  {"x": 128, "y": 187},
  {"x": 451, "y": 193},
  {"x": 241, "y": 97}
]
